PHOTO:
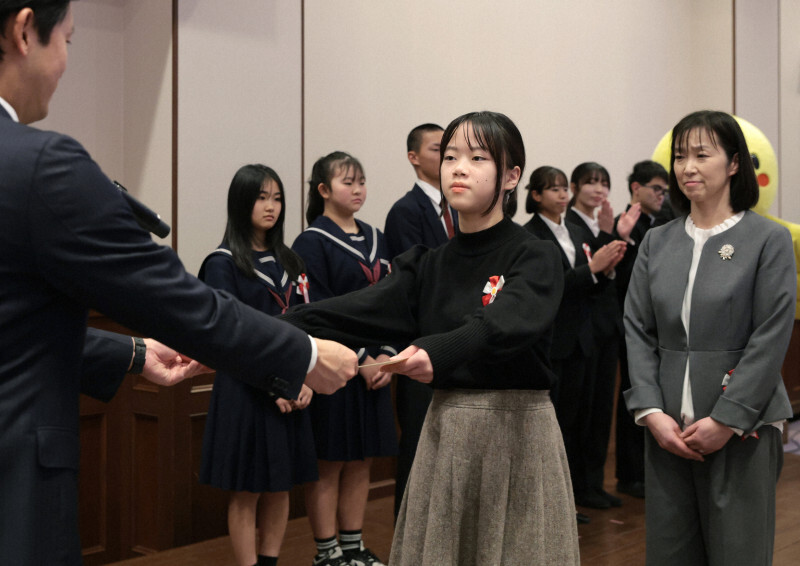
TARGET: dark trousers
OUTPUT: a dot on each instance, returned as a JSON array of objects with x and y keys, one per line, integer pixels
[
  {"x": 597, "y": 427},
  {"x": 412, "y": 398},
  {"x": 629, "y": 435},
  {"x": 720, "y": 512},
  {"x": 572, "y": 400}
]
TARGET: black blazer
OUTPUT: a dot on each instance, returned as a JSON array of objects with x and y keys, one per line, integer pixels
[
  {"x": 572, "y": 329},
  {"x": 625, "y": 267},
  {"x": 69, "y": 243},
  {"x": 606, "y": 307},
  {"x": 413, "y": 220}
]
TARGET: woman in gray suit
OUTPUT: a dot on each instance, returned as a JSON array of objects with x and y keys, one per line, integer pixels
[{"x": 708, "y": 317}]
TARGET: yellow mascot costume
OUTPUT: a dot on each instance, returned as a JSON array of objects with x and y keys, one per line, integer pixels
[{"x": 766, "y": 166}]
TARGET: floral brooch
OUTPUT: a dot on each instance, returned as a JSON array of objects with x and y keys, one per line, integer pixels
[
  {"x": 726, "y": 252},
  {"x": 491, "y": 288}
]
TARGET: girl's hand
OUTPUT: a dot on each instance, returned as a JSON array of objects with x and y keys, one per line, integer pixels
[
  {"x": 306, "y": 393},
  {"x": 605, "y": 217},
  {"x": 706, "y": 435},
  {"x": 418, "y": 365},
  {"x": 607, "y": 257},
  {"x": 380, "y": 378},
  {"x": 284, "y": 405},
  {"x": 668, "y": 435},
  {"x": 369, "y": 373},
  {"x": 627, "y": 220}
]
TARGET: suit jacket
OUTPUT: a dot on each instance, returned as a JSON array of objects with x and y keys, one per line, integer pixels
[
  {"x": 413, "y": 220},
  {"x": 741, "y": 319},
  {"x": 606, "y": 311},
  {"x": 625, "y": 267},
  {"x": 69, "y": 243},
  {"x": 572, "y": 329}
]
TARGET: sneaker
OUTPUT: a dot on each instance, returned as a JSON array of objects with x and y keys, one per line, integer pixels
[
  {"x": 362, "y": 557},
  {"x": 332, "y": 557}
]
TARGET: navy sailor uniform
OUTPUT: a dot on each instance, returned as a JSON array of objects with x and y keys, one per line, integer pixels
[
  {"x": 249, "y": 445},
  {"x": 354, "y": 423}
]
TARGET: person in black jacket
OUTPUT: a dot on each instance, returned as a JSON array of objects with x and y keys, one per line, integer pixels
[
  {"x": 648, "y": 184},
  {"x": 69, "y": 243}
]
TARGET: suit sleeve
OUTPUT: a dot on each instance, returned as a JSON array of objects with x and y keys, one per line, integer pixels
[
  {"x": 641, "y": 337},
  {"x": 106, "y": 359},
  {"x": 403, "y": 229},
  {"x": 89, "y": 247},
  {"x": 758, "y": 372}
]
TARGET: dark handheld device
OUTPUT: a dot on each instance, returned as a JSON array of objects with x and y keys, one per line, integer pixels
[{"x": 145, "y": 217}]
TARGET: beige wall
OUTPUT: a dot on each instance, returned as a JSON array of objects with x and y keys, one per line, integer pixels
[
  {"x": 583, "y": 80},
  {"x": 789, "y": 125},
  {"x": 115, "y": 97},
  {"x": 239, "y": 102}
]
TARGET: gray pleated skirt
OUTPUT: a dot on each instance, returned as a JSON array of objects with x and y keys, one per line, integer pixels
[{"x": 490, "y": 485}]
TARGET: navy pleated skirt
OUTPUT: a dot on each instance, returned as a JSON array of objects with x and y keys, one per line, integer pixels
[
  {"x": 249, "y": 445},
  {"x": 354, "y": 423}
]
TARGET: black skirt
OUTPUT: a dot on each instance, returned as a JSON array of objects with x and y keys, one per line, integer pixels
[
  {"x": 249, "y": 445},
  {"x": 354, "y": 423}
]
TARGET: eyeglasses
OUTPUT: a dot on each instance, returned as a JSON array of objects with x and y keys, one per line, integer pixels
[{"x": 657, "y": 189}]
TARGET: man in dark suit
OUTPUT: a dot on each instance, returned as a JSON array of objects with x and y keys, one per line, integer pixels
[
  {"x": 648, "y": 185},
  {"x": 417, "y": 218},
  {"x": 69, "y": 243}
]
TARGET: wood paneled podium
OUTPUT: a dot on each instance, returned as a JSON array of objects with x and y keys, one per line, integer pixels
[{"x": 140, "y": 456}]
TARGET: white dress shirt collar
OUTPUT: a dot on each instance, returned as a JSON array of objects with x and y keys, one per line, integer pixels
[
  {"x": 10, "y": 109},
  {"x": 591, "y": 222},
  {"x": 562, "y": 235}
]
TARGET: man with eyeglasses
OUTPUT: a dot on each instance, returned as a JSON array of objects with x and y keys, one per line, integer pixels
[{"x": 648, "y": 185}]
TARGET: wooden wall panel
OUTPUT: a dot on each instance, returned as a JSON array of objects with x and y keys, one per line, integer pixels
[
  {"x": 93, "y": 488},
  {"x": 145, "y": 484}
]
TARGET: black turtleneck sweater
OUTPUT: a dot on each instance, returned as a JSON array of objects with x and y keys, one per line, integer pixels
[{"x": 434, "y": 300}]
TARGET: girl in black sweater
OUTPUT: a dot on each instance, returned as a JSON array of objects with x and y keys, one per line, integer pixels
[{"x": 490, "y": 482}]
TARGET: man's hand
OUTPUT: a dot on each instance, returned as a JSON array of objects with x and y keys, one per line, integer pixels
[
  {"x": 165, "y": 366},
  {"x": 418, "y": 365},
  {"x": 335, "y": 366},
  {"x": 668, "y": 435},
  {"x": 627, "y": 220},
  {"x": 706, "y": 435}
]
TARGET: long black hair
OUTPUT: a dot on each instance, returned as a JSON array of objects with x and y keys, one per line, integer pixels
[
  {"x": 243, "y": 193},
  {"x": 323, "y": 171}
]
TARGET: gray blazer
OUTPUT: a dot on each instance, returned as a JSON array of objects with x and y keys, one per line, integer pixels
[{"x": 742, "y": 317}]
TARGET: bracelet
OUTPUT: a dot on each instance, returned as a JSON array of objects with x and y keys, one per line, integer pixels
[{"x": 139, "y": 356}]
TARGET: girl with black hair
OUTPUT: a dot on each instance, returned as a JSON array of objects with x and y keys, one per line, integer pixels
[
  {"x": 490, "y": 481},
  {"x": 355, "y": 424},
  {"x": 254, "y": 445}
]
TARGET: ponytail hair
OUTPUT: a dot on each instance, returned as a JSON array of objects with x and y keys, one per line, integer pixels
[{"x": 323, "y": 171}]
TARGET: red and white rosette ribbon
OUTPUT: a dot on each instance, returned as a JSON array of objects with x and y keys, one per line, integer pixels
[
  {"x": 302, "y": 286},
  {"x": 491, "y": 288},
  {"x": 588, "y": 251}
]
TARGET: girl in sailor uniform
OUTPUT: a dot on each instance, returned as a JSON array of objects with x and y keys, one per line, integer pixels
[
  {"x": 355, "y": 424},
  {"x": 256, "y": 446}
]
